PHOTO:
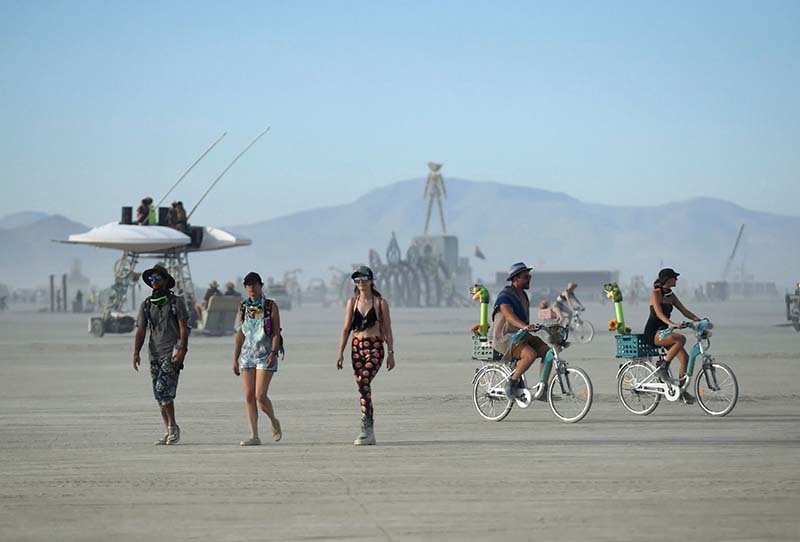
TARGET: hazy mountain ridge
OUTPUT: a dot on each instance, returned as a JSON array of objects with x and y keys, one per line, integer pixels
[
  {"x": 550, "y": 230},
  {"x": 28, "y": 254}
]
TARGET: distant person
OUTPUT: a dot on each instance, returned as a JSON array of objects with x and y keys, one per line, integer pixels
[
  {"x": 547, "y": 313},
  {"x": 146, "y": 212},
  {"x": 511, "y": 314},
  {"x": 255, "y": 354},
  {"x": 566, "y": 303},
  {"x": 178, "y": 216},
  {"x": 367, "y": 318},
  {"x": 211, "y": 291},
  {"x": 230, "y": 290},
  {"x": 659, "y": 328},
  {"x": 78, "y": 305},
  {"x": 165, "y": 315}
]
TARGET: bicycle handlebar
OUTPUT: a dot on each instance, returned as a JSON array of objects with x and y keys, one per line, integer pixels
[{"x": 703, "y": 325}]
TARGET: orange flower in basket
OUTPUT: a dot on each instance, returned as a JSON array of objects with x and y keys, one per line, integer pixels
[
  {"x": 475, "y": 329},
  {"x": 612, "y": 325}
]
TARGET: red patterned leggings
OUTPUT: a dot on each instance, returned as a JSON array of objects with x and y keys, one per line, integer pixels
[{"x": 366, "y": 356}]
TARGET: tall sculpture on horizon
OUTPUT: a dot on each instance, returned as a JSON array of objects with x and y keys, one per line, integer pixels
[{"x": 434, "y": 190}]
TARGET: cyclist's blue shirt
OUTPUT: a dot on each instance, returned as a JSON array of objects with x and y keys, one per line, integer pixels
[{"x": 509, "y": 297}]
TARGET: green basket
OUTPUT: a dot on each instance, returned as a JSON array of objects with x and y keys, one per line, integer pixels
[{"x": 634, "y": 346}]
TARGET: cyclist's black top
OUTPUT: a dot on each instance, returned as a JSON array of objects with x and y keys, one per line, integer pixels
[
  {"x": 654, "y": 323},
  {"x": 361, "y": 322}
]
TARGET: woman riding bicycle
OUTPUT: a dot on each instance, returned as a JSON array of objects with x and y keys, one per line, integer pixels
[
  {"x": 658, "y": 330},
  {"x": 566, "y": 303}
]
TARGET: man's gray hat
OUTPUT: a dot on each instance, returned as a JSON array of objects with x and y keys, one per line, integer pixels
[{"x": 516, "y": 269}]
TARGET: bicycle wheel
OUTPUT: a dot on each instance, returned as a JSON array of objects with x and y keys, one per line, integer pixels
[
  {"x": 635, "y": 401},
  {"x": 570, "y": 397},
  {"x": 487, "y": 395},
  {"x": 583, "y": 331},
  {"x": 716, "y": 389}
]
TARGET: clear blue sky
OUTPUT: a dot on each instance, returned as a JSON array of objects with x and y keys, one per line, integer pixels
[{"x": 635, "y": 102}]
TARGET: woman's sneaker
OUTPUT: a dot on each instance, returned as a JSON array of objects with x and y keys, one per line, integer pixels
[
  {"x": 367, "y": 435},
  {"x": 687, "y": 398},
  {"x": 162, "y": 441},
  {"x": 252, "y": 441}
]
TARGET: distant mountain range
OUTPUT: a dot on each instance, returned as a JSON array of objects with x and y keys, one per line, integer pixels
[{"x": 549, "y": 230}]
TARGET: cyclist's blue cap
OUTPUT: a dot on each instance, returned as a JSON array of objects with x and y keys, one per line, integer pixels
[{"x": 516, "y": 269}]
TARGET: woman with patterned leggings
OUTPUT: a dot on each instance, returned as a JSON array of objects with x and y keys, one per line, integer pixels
[{"x": 367, "y": 318}]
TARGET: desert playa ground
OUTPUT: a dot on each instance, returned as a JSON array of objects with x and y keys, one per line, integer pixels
[{"x": 77, "y": 426}]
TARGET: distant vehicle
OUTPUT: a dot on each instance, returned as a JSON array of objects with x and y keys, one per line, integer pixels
[
  {"x": 167, "y": 243},
  {"x": 280, "y": 295}
]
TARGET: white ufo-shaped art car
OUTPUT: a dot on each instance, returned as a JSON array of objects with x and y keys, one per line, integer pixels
[{"x": 149, "y": 239}]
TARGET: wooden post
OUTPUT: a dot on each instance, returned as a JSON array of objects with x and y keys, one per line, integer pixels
[{"x": 52, "y": 293}]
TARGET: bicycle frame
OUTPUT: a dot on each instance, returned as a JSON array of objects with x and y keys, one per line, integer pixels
[
  {"x": 547, "y": 362},
  {"x": 702, "y": 344}
]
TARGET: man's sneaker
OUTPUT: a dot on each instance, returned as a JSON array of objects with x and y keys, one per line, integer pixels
[
  {"x": 276, "y": 431},
  {"x": 687, "y": 398},
  {"x": 162, "y": 441},
  {"x": 509, "y": 388},
  {"x": 252, "y": 441},
  {"x": 174, "y": 435}
]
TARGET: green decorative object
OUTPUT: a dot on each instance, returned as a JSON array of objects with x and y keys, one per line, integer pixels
[
  {"x": 614, "y": 293},
  {"x": 480, "y": 293}
]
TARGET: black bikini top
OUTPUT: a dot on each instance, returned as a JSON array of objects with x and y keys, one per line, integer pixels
[{"x": 361, "y": 322}]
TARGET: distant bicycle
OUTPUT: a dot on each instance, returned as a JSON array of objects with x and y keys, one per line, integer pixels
[
  {"x": 640, "y": 389},
  {"x": 581, "y": 329},
  {"x": 569, "y": 391}
]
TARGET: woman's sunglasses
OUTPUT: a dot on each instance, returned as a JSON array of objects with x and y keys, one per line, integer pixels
[
  {"x": 361, "y": 280},
  {"x": 155, "y": 276}
]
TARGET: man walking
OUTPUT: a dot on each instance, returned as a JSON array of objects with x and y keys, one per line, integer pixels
[{"x": 165, "y": 315}]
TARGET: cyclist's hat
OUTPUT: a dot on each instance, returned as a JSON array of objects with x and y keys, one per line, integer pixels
[
  {"x": 362, "y": 271},
  {"x": 252, "y": 278},
  {"x": 667, "y": 273},
  {"x": 158, "y": 270},
  {"x": 516, "y": 269}
]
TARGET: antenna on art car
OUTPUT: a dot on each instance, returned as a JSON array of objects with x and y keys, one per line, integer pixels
[
  {"x": 225, "y": 171},
  {"x": 185, "y": 173}
]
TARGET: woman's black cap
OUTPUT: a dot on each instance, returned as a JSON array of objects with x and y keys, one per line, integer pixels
[{"x": 667, "y": 273}]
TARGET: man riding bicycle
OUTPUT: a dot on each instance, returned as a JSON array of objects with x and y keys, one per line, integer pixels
[
  {"x": 566, "y": 303},
  {"x": 512, "y": 313}
]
